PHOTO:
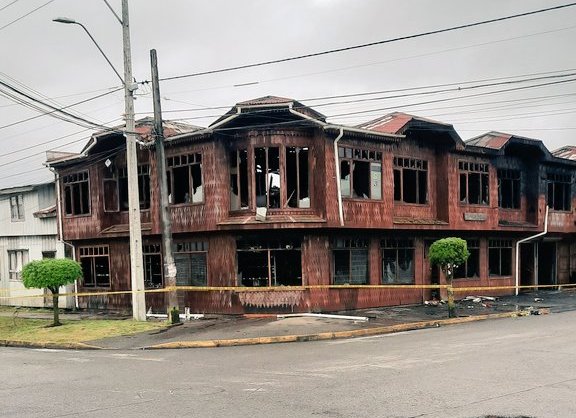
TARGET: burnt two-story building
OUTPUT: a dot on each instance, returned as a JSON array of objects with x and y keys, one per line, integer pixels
[{"x": 274, "y": 209}]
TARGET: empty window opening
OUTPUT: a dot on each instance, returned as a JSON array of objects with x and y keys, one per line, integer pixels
[
  {"x": 95, "y": 266},
  {"x": 16, "y": 260},
  {"x": 397, "y": 261},
  {"x": 471, "y": 267},
  {"x": 185, "y": 179},
  {"x": 267, "y": 177},
  {"x": 190, "y": 260},
  {"x": 297, "y": 180},
  {"x": 559, "y": 191},
  {"x": 269, "y": 263},
  {"x": 360, "y": 173},
  {"x": 48, "y": 254},
  {"x": 239, "y": 179},
  {"x": 499, "y": 257},
  {"x": 410, "y": 180},
  {"x": 474, "y": 188},
  {"x": 17, "y": 207},
  {"x": 350, "y": 261},
  {"x": 76, "y": 194},
  {"x": 153, "y": 268},
  {"x": 509, "y": 189}
]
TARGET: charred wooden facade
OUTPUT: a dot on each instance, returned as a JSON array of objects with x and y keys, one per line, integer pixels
[{"x": 273, "y": 198}]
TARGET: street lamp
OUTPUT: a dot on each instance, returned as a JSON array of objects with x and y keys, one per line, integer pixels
[
  {"x": 73, "y": 22},
  {"x": 136, "y": 268}
]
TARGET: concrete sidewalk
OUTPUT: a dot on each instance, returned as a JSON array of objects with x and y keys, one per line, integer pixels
[
  {"x": 218, "y": 331},
  {"x": 234, "y": 330}
]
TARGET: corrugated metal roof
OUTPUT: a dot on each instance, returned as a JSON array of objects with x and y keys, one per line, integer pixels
[
  {"x": 266, "y": 100},
  {"x": 494, "y": 140},
  {"x": 568, "y": 152},
  {"x": 394, "y": 123}
]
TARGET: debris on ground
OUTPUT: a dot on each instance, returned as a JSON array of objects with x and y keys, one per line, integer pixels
[{"x": 538, "y": 299}]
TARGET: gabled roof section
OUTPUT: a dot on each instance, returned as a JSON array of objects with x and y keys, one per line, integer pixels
[
  {"x": 113, "y": 138},
  {"x": 400, "y": 123},
  {"x": 145, "y": 131},
  {"x": 270, "y": 111},
  {"x": 499, "y": 141},
  {"x": 567, "y": 152},
  {"x": 265, "y": 105}
]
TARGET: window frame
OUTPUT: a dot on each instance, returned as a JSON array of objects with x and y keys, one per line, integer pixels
[
  {"x": 190, "y": 249},
  {"x": 269, "y": 248},
  {"x": 468, "y": 169},
  {"x": 352, "y": 247},
  {"x": 513, "y": 177},
  {"x": 73, "y": 183},
  {"x": 351, "y": 155},
  {"x": 149, "y": 251},
  {"x": 192, "y": 161},
  {"x": 473, "y": 246},
  {"x": 400, "y": 166},
  {"x": 405, "y": 245},
  {"x": 17, "y": 208},
  {"x": 17, "y": 259},
  {"x": 92, "y": 253},
  {"x": 556, "y": 182},
  {"x": 497, "y": 247}
]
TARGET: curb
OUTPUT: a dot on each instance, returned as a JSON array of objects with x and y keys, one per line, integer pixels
[
  {"x": 331, "y": 335},
  {"x": 50, "y": 345}
]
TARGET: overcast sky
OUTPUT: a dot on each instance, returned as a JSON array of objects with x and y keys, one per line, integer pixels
[{"x": 59, "y": 62}]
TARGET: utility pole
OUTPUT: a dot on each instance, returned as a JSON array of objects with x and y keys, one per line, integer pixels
[
  {"x": 169, "y": 265},
  {"x": 136, "y": 268}
]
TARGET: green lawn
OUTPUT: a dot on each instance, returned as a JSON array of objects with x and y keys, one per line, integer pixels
[{"x": 72, "y": 331}]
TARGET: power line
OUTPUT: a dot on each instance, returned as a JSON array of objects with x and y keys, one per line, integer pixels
[
  {"x": 386, "y": 41},
  {"x": 54, "y": 111},
  {"x": 8, "y": 5},
  {"x": 27, "y": 14}
]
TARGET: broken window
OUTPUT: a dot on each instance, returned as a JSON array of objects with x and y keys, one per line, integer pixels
[
  {"x": 410, "y": 180},
  {"x": 239, "y": 179},
  {"x": 360, "y": 173},
  {"x": 190, "y": 260},
  {"x": 267, "y": 177},
  {"x": 474, "y": 187},
  {"x": 559, "y": 191},
  {"x": 153, "y": 268},
  {"x": 297, "y": 177},
  {"x": 17, "y": 207},
  {"x": 397, "y": 261},
  {"x": 499, "y": 257},
  {"x": 185, "y": 179},
  {"x": 76, "y": 194},
  {"x": 509, "y": 189},
  {"x": 16, "y": 260},
  {"x": 350, "y": 261},
  {"x": 269, "y": 263},
  {"x": 95, "y": 266},
  {"x": 471, "y": 267}
]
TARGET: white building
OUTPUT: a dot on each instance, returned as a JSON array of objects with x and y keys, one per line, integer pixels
[{"x": 28, "y": 231}]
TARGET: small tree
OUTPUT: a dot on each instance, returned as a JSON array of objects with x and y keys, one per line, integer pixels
[
  {"x": 51, "y": 274},
  {"x": 449, "y": 253}
]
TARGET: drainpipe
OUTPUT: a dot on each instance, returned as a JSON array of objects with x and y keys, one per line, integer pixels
[
  {"x": 525, "y": 240},
  {"x": 338, "y": 186},
  {"x": 61, "y": 230}
]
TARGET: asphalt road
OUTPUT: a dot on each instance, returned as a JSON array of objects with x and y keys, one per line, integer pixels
[{"x": 508, "y": 367}]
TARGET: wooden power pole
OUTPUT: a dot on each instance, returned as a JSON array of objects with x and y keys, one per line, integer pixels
[{"x": 169, "y": 265}]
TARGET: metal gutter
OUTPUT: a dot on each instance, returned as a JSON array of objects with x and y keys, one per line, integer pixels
[{"x": 526, "y": 240}]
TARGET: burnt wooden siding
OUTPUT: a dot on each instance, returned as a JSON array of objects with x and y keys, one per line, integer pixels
[{"x": 212, "y": 220}]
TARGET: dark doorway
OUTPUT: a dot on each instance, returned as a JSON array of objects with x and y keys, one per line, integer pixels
[
  {"x": 527, "y": 265},
  {"x": 546, "y": 263}
]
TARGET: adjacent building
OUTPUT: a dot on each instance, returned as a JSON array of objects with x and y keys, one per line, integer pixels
[
  {"x": 28, "y": 231},
  {"x": 302, "y": 215}
]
